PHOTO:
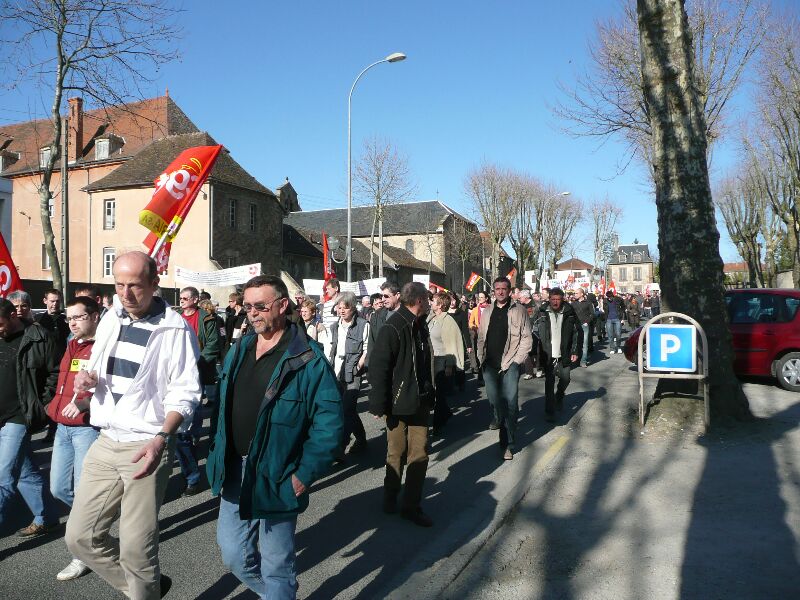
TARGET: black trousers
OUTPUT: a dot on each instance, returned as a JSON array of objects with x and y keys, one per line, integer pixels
[{"x": 553, "y": 396}]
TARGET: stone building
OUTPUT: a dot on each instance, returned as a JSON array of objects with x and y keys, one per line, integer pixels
[{"x": 631, "y": 268}]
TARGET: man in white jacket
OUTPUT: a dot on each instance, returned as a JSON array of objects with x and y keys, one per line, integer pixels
[{"x": 143, "y": 370}]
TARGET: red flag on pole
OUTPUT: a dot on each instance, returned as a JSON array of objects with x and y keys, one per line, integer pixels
[
  {"x": 9, "y": 278},
  {"x": 512, "y": 276},
  {"x": 436, "y": 288},
  {"x": 612, "y": 287},
  {"x": 327, "y": 263},
  {"x": 176, "y": 190},
  {"x": 473, "y": 280}
]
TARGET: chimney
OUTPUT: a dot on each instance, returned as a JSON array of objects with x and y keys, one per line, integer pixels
[{"x": 75, "y": 130}]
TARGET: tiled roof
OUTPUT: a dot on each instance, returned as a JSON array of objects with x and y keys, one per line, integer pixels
[
  {"x": 629, "y": 250},
  {"x": 399, "y": 219},
  {"x": 150, "y": 162},
  {"x": 574, "y": 264},
  {"x": 137, "y": 123}
]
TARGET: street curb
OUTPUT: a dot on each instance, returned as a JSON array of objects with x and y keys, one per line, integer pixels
[{"x": 428, "y": 583}]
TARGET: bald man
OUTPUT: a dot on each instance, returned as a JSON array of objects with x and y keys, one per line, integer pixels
[{"x": 146, "y": 388}]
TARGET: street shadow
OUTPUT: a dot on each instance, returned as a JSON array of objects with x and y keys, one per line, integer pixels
[
  {"x": 739, "y": 544},
  {"x": 225, "y": 586}
]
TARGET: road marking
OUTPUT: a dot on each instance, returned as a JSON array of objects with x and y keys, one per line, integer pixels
[{"x": 550, "y": 454}]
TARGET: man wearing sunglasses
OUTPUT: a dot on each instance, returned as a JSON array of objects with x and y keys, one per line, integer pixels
[
  {"x": 390, "y": 294},
  {"x": 277, "y": 430}
]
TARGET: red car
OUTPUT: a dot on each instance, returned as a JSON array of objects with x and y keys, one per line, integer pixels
[{"x": 766, "y": 334}]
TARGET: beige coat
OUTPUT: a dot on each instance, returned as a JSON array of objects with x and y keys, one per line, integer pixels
[
  {"x": 520, "y": 340},
  {"x": 447, "y": 342}
]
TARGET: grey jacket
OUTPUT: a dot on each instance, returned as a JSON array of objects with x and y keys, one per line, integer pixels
[{"x": 354, "y": 348}]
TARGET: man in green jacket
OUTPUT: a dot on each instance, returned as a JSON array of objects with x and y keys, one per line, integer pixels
[{"x": 276, "y": 431}]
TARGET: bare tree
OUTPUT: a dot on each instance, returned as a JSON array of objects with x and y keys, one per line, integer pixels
[
  {"x": 741, "y": 209},
  {"x": 605, "y": 215},
  {"x": 609, "y": 99},
  {"x": 690, "y": 263},
  {"x": 491, "y": 190},
  {"x": 561, "y": 216},
  {"x": 102, "y": 49},
  {"x": 381, "y": 178},
  {"x": 464, "y": 241},
  {"x": 777, "y": 160}
]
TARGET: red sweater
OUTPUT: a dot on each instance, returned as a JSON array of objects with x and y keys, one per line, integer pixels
[{"x": 76, "y": 356}]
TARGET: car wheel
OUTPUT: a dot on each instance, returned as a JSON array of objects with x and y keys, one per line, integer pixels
[{"x": 788, "y": 372}]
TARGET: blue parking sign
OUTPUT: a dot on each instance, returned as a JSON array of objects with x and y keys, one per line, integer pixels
[{"x": 671, "y": 348}]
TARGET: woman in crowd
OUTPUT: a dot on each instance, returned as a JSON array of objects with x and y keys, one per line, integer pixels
[
  {"x": 348, "y": 341},
  {"x": 314, "y": 327},
  {"x": 447, "y": 342}
]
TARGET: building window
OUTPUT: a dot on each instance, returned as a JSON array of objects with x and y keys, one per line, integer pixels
[
  {"x": 109, "y": 214},
  {"x": 623, "y": 274},
  {"x": 637, "y": 273},
  {"x": 101, "y": 149},
  {"x": 232, "y": 213},
  {"x": 44, "y": 156},
  {"x": 410, "y": 246},
  {"x": 45, "y": 259},
  {"x": 252, "y": 217},
  {"x": 50, "y": 207},
  {"x": 109, "y": 254},
  {"x": 623, "y": 258},
  {"x": 637, "y": 257}
]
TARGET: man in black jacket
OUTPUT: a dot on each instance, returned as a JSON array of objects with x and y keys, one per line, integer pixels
[
  {"x": 390, "y": 293},
  {"x": 584, "y": 310},
  {"x": 401, "y": 376},
  {"x": 29, "y": 364},
  {"x": 561, "y": 336}
]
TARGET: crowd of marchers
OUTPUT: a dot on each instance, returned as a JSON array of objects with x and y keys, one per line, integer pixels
[{"x": 121, "y": 382}]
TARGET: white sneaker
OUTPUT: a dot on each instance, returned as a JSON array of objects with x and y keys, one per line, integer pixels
[
  {"x": 619, "y": 351},
  {"x": 73, "y": 570}
]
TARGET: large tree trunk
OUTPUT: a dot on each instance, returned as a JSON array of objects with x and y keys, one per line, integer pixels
[{"x": 688, "y": 239}]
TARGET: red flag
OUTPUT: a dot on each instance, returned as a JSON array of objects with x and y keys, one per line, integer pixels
[
  {"x": 602, "y": 287},
  {"x": 327, "y": 263},
  {"x": 9, "y": 278},
  {"x": 176, "y": 189},
  {"x": 473, "y": 280},
  {"x": 436, "y": 288},
  {"x": 512, "y": 276},
  {"x": 612, "y": 287},
  {"x": 162, "y": 257}
]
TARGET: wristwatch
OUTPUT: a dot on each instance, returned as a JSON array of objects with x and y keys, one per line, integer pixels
[{"x": 163, "y": 434}]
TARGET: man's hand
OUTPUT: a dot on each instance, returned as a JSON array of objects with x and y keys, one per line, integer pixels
[
  {"x": 299, "y": 486},
  {"x": 151, "y": 452},
  {"x": 85, "y": 381},
  {"x": 361, "y": 363},
  {"x": 573, "y": 357},
  {"x": 71, "y": 411}
]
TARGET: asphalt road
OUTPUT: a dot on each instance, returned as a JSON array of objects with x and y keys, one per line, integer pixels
[{"x": 347, "y": 547}]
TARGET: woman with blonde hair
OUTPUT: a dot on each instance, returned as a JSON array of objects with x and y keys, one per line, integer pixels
[{"x": 313, "y": 326}]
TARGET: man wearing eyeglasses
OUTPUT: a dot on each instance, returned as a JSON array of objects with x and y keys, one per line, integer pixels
[
  {"x": 390, "y": 294},
  {"x": 143, "y": 371},
  {"x": 276, "y": 431},
  {"x": 204, "y": 325},
  {"x": 70, "y": 411},
  {"x": 28, "y": 376}
]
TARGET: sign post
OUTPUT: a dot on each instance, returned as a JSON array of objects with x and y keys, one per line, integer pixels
[{"x": 672, "y": 353}]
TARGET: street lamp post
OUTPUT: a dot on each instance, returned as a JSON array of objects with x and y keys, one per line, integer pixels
[{"x": 395, "y": 57}]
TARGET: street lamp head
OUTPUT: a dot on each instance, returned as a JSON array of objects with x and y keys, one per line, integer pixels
[
  {"x": 395, "y": 57},
  {"x": 564, "y": 194}
]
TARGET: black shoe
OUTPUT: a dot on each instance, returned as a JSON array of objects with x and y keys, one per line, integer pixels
[
  {"x": 192, "y": 490},
  {"x": 389, "y": 503},
  {"x": 416, "y": 516},
  {"x": 165, "y": 584}
]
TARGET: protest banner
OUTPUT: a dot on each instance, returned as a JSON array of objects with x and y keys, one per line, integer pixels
[{"x": 221, "y": 278}]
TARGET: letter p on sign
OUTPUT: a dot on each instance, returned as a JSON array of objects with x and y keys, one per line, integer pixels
[{"x": 671, "y": 348}]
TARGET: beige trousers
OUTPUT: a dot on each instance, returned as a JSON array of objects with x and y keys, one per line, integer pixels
[
  {"x": 107, "y": 491},
  {"x": 407, "y": 445}
]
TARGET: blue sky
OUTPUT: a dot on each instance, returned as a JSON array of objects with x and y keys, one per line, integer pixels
[{"x": 270, "y": 81}]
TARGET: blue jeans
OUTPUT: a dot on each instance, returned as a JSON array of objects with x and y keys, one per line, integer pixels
[
  {"x": 69, "y": 447},
  {"x": 586, "y": 339},
  {"x": 502, "y": 389},
  {"x": 185, "y": 448},
  {"x": 18, "y": 470},
  {"x": 260, "y": 552},
  {"x": 614, "y": 332}
]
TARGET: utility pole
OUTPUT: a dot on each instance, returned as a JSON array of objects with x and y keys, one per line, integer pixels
[{"x": 65, "y": 209}]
